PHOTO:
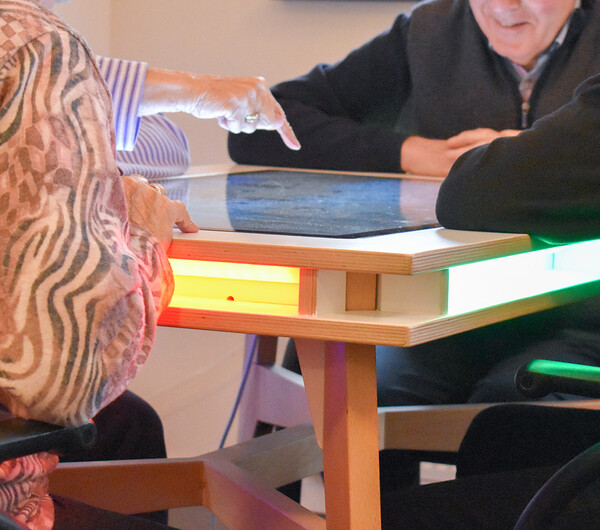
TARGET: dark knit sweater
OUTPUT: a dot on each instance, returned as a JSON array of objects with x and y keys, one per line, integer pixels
[{"x": 545, "y": 182}]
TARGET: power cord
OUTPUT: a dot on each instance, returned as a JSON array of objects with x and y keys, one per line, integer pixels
[{"x": 245, "y": 373}]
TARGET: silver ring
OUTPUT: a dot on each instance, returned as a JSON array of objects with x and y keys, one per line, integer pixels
[{"x": 251, "y": 118}]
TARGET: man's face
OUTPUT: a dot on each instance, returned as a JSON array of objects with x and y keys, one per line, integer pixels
[{"x": 521, "y": 29}]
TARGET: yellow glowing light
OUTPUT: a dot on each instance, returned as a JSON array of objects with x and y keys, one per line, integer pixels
[{"x": 235, "y": 287}]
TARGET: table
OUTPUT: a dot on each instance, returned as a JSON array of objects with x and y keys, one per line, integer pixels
[{"x": 339, "y": 297}]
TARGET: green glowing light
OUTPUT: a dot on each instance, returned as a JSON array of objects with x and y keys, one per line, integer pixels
[
  {"x": 492, "y": 282},
  {"x": 578, "y": 371}
]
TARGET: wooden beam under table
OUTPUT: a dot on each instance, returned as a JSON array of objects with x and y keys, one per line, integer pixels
[{"x": 237, "y": 484}]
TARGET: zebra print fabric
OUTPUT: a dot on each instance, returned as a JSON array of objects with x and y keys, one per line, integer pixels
[{"x": 80, "y": 289}]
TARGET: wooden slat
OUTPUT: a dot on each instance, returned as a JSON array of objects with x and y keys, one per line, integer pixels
[
  {"x": 307, "y": 303},
  {"x": 242, "y": 503},
  {"x": 236, "y": 484},
  {"x": 132, "y": 486},
  {"x": 361, "y": 291},
  {"x": 440, "y": 427}
]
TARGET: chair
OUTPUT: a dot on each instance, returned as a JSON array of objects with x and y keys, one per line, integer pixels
[
  {"x": 19, "y": 437},
  {"x": 268, "y": 386},
  {"x": 237, "y": 484},
  {"x": 223, "y": 481},
  {"x": 537, "y": 379}
]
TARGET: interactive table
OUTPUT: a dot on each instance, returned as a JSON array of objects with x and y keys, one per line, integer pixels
[{"x": 341, "y": 263}]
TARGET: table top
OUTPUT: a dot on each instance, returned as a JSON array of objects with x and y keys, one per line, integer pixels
[
  {"x": 307, "y": 203},
  {"x": 401, "y": 252},
  {"x": 411, "y": 286}
]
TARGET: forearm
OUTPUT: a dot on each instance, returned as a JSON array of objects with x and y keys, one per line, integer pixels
[
  {"x": 328, "y": 142},
  {"x": 171, "y": 91},
  {"x": 344, "y": 114}
]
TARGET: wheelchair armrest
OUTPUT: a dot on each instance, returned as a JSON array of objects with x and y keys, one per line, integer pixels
[
  {"x": 540, "y": 377},
  {"x": 20, "y": 437}
]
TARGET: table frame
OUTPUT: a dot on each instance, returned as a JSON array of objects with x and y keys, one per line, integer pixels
[{"x": 339, "y": 322}]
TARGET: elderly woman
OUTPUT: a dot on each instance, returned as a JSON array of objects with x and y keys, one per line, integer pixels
[
  {"x": 150, "y": 144},
  {"x": 84, "y": 269}
]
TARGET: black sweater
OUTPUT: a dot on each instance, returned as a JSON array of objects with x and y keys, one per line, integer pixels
[
  {"x": 432, "y": 74},
  {"x": 544, "y": 182}
]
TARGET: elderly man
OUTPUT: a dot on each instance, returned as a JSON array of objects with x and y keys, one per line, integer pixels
[{"x": 400, "y": 102}]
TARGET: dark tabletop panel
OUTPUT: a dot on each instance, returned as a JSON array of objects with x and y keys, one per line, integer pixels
[{"x": 304, "y": 203}]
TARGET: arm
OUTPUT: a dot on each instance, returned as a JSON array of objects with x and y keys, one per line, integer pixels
[
  {"x": 140, "y": 92},
  {"x": 544, "y": 182},
  {"x": 80, "y": 291},
  {"x": 152, "y": 146},
  {"x": 334, "y": 114},
  {"x": 229, "y": 100}
]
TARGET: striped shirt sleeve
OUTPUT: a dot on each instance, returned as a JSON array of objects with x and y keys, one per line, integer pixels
[
  {"x": 161, "y": 150},
  {"x": 125, "y": 80},
  {"x": 152, "y": 146}
]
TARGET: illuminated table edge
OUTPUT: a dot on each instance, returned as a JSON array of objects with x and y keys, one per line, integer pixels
[
  {"x": 459, "y": 289},
  {"x": 371, "y": 327}
]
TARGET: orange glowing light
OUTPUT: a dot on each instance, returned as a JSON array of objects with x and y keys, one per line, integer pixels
[{"x": 236, "y": 287}]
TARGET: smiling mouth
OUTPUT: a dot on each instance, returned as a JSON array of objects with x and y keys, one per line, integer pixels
[{"x": 511, "y": 24}]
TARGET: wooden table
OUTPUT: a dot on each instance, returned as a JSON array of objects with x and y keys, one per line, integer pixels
[{"x": 347, "y": 295}]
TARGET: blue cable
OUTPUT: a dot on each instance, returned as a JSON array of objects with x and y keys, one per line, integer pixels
[{"x": 238, "y": 398}]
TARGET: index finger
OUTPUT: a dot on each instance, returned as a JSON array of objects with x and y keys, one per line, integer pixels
[
  {"x": 288, "y": 136},
  {"x": 183, "y": 221}
]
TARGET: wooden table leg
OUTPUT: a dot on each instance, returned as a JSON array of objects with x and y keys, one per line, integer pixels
[{"x": 346, "y": 393}]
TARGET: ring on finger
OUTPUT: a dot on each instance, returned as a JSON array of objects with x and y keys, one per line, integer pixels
[
  {"x": 251, "y": 118},
  {"x": 160, "y": 188}
]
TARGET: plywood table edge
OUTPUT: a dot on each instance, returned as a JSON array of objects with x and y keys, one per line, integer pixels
[{"x": 366, "y": 327}]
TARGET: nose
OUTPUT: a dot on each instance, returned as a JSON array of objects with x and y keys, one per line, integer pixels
[{"x": 504, "y": 5}]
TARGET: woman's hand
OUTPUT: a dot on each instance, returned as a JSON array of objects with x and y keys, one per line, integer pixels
[
  {"x": 239, "y": 104},
  {"x": 244, "y": 104},
  {"x": 151, "y": 209}
]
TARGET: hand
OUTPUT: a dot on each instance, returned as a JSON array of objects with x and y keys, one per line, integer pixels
[
  {"x": 151, "y": 209},
  {"x": 244, "y": 104},
  {"x": 476, "y": 137},
  {"x": 424, "y": 156},
  {"x": 239, "y": 104}
]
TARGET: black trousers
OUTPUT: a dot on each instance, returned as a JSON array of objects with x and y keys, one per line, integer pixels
[
  {"x": 128, "y": 429},
  {"x": 508, "y": 453},
  {"x": 73, "y": 515}
]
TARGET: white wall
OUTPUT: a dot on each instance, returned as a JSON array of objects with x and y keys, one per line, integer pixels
[
  {"x": 277, "y": 39},
  {"x": 92, "y": 19}
]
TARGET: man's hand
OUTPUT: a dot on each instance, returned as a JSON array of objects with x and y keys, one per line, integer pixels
[
  {"x": 424, "y": 156},
  {"x": 476, "y": 137}
]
